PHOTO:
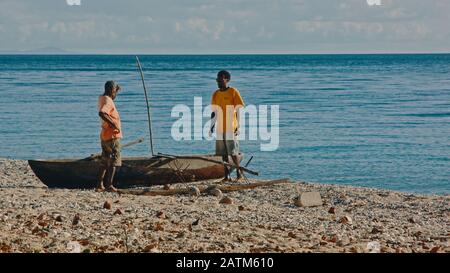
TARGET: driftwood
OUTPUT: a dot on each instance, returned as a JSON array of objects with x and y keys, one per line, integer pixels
[
  {"x": 203, "y": 189},
  {"x": 211, "y": 160},
  {"x": 94, "y": 156}
]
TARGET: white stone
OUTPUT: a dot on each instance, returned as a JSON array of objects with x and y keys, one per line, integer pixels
[
  {"x": 74, "y": 247},
  {"x": 309, "y": 199},
  {"x": 373, "y": 247}
]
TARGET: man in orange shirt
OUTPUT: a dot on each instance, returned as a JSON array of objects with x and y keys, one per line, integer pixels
[
  {"x": 226, "y": 102},
  {"x": 111, "y": 133}
]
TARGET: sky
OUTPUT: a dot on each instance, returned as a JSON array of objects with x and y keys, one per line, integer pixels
[{"x": 226, "y": 26}]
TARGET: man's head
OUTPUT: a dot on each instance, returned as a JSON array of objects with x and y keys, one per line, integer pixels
[
  {"x": 223, "y": 78},
  {"x": 111, "y": 89}
]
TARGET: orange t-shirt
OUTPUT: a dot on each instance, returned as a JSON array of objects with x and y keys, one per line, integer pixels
[
  {"x": 222, "y": 99},
  {"x": 106, "y": 105}
]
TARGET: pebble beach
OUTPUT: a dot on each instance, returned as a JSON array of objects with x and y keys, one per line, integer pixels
[{"x": 34, "y": 218}]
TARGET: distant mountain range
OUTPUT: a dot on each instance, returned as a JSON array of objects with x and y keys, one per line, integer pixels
[{"x": 43, "y": 50}]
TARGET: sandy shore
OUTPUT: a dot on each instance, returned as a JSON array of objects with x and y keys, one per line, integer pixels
[{"x": 36, "y": 219}]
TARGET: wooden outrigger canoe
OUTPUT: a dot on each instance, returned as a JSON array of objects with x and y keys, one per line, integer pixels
[{"x": 134, "y": 172}]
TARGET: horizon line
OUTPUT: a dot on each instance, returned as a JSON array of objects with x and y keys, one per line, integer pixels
[{"x": 224, "y": 54}]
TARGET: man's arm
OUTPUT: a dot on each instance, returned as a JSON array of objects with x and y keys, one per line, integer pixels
[
  {"x": 213, "y": 121},
  {"x": 238, "y": 104},
  {"x": 108, "y": 120},
  {"x": 238, "y": 115}
]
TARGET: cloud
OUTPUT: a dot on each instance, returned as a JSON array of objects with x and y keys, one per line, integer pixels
[
  {"x": 409, "y": 31},
  {"x": 201, "y": 27},
  {"x": 234, "y": 25},
  {"x": 240, "y": 14},
  {"x": 26, "y": 31},
  {"x": 264, "y": 33},
  {"x": 399, "y": 31},
  {"x": 81, "y": 29}
]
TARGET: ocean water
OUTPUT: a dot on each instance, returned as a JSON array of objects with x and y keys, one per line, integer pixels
[{"x": 378, "y": 121}]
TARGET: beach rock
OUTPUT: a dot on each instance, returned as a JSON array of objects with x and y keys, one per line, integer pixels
[
  {"x": 161, "y": 215},
  {"x": 196, "y": 226},
  {"x": 76, "y": 220},
  {"x": 435, "y": 249},
  {"x": 73, "y": 247},
  {"x": 118, "y": 212},
  {"x": 385, "y": 249},
  {"x": 59, "y": 218},
  {"x": 158, "y": 227},
  {"x": 226, "y": 200},
  {"x": 412, "y": 220},
  {"x": 292, "y": 235},
  {"x": 181, "y": 234},
  {"x": 346, "y": 220},
  {"x": 333, "y": 239},
  {"x": 216, "y": 192},
  {"x": 35, "y": 230},
  {"x": 376, "y": 230},
  {"x": 332, "y": 210},
  {"x": 84, "y": 242},
  {"x": 42, "y": 216},
  {"x": 151, "y": 248},
  {"x": 241, "y": 208},
  {"x": 107, "y": 205},
  {"x": 5, "y": 248},
  {"x": 344, "y": 241},
  {"x": 194, "y": 191},
  {"x": 308, "y": 199},
  {"x": 167, "y": 187},
  {"x": 373, "y": 247}
]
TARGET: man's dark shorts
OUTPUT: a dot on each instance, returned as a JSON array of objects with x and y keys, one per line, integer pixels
[
  {"x": 111, "y": 153},
  {"x": 227, "y": 147}
]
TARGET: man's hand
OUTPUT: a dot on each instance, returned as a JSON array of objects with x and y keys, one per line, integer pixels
[{"x": 113, "y": 126}]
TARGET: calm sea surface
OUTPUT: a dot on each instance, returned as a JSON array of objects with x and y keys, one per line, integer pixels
[{"x": 368, "y": 120}]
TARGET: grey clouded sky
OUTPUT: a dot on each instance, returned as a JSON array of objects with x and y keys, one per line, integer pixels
[{"x": 231, "y": 26}]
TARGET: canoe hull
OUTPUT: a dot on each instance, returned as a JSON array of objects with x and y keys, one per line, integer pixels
[{"x": 134, "y": 172}]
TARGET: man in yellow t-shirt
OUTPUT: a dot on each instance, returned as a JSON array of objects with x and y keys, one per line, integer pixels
[{"x": 226, "y": 102}]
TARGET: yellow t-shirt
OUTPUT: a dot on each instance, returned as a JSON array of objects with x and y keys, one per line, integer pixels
[{"x": 220, "y": 100}]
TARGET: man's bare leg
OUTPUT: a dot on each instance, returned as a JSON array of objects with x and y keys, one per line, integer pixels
[
  {"x": 109, "y": 179},
  {"x": 101, "y": 176},
  {"x": 227, "y": 177},
  {"x": 236, "y": 160}
]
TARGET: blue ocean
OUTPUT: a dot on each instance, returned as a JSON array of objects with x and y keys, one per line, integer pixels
[{"x": 379, "y": 121}]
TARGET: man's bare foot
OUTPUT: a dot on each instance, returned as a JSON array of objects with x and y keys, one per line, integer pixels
[
  {"x": 100, "y": 189},
  {"x": 111, "y": 189},
  {"x": 239, "y": 179}
]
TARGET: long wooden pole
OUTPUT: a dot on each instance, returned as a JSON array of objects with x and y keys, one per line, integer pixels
[
  {"x": 148, "y": 106},
  {"x": 223, "y": 188},
  {"x": 209, "y": 160},
  {"x": 137, "y": 141}
]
